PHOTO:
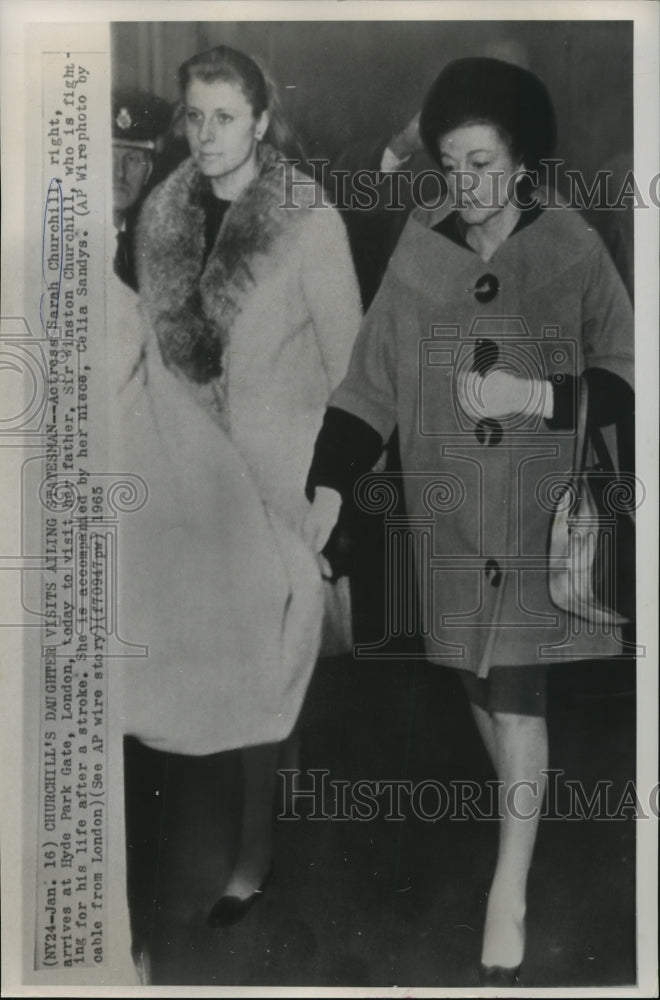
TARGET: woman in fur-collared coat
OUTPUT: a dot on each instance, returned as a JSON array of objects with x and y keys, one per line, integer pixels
[{"x": 252, "y": 304}]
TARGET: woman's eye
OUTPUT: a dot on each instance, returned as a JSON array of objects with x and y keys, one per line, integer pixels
[
  {"x": 192, "y": 116},
  {"x": 223, "y": 118},
  {"x": 481, "y": 164}
]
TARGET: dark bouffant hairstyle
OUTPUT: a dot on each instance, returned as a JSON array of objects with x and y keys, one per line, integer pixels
[{"x": 489, "y": 91}]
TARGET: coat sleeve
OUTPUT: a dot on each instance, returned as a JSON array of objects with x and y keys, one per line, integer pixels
[
  {"x": 362, "y": 411},
  {"x": 331, "y": 291},
  {"x": 608, "y": 349},
  {"x": 607, "y": 318},
  {"x": 369, "y": 389}
]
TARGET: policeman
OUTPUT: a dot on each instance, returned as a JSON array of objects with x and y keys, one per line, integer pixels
[{"x": 139, "y": 123}]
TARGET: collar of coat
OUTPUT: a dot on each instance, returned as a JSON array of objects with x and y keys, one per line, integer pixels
[{"x": 192, "y": 303}]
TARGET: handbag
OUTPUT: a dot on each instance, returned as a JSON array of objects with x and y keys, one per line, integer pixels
[
  {"x": 591, "y": 562},
  {"x": 337, "y": 630}
]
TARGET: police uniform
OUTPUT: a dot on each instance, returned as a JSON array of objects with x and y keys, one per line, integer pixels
[{"x": 139, "y": 121}]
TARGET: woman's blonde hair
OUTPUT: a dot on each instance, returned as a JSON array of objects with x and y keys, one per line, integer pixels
[{"x": 258, "y": 87}]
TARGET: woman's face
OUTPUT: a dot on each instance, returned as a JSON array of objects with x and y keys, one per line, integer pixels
[
  {"x": 479, "y": 167},
  {"x": 220, "y": 126}
]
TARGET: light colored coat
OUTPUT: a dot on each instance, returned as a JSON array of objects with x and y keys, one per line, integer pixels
[
  {"x": 482, "y": 502},
  {"x": 215, "y": 577},
  {"x": 280, "y": 292}
]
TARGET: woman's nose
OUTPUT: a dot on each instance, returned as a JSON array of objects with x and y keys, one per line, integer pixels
[{"x": 206, "y": 130}]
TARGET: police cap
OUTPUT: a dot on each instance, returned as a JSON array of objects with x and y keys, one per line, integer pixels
[{"x": 139, "y": 118}]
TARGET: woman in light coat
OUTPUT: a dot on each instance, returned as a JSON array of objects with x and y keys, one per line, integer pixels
[
  {"x": 251, "y": 306},
  {"x": 489, "y": 320}
]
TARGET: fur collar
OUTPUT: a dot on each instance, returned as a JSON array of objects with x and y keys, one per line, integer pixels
[{"x": 193, "y": 304}]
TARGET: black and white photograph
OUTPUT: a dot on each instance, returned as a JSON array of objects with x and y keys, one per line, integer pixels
[{"x": 329, "y": 334}]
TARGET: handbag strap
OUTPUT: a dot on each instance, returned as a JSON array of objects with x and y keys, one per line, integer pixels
[
  {"x": 588, "y": 435},
  {"x": 601, "y": 450},
  {"x": 581, "y": 436}
]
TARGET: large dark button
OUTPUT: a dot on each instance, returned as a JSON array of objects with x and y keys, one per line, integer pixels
[
  {"x": 493, "y": 572},
  {"x": 489, "y": 432},
  {"x": 486, "y": 352},
  {"x": 486, "y": 288}
]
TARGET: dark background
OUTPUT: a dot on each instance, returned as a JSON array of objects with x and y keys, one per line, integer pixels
[{"x": 344, "y": 82}]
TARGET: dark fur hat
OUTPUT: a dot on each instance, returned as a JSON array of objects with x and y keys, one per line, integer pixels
[{"x": 495, "y": 92}]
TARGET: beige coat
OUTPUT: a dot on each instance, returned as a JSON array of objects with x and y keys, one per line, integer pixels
[
  {"x": 215, "y": 577},
  {"x": 282, "y": 300}
]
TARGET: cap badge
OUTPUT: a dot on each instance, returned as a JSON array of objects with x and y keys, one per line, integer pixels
[{"x": 124, "y": 119}]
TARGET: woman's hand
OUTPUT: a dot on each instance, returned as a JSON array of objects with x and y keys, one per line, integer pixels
[
  {"x": 321, "y": 518},
  {"x": 498, "y": 394},
  {"x": 408, "y": 140}
]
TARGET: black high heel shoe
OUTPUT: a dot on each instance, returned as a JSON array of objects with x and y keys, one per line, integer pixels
[
  {"x": 498, "y": 975},
  {"x": 230, "y": 909}
]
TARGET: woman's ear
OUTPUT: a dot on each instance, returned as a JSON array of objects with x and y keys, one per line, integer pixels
[{"x": 263, "y": 121}]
